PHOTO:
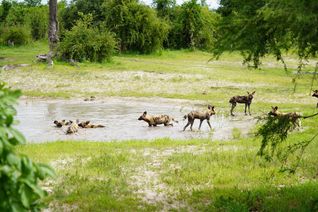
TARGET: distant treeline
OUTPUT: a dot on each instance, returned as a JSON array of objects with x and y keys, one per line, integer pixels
[{"x": 94, "y": 29}]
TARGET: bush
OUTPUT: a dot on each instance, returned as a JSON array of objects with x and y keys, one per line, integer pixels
[
  {"x": 85, "y": 42},
  {"x": 16, "y": 35},
  {"x": 19, "y": 176},
  {"x": 137, "y": 26},
  {"x": 38, "y": 22}
]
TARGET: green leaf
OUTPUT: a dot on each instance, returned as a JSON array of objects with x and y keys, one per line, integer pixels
[
  {"x": 13, "y": 159},
  {"x": 17, "y": 135},
  {"x": 45, "y": 171},
  {"x": 25, "y": 195}
]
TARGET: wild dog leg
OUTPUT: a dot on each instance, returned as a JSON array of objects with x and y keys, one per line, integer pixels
[
  {"x": 191, "y": 124},
  {"x": 232, "y": 108},
  {"x": 209, "y": 124},
  {"x": 249, "y": 108},
  {"x": 185, "y": 127},
  {"x": 201, "y": 120}
]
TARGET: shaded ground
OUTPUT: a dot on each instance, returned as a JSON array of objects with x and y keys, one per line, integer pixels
[{"x": 120, "y": 115}]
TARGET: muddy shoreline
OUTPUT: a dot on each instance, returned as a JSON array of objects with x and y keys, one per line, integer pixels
[{"x": 120, "y": 115}]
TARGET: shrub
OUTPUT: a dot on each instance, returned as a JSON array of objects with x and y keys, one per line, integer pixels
[
  {"x": 38, "y": 22},
  {"x": 85, "y": 42},
  {"x": 19, "y": 176},
  {"x": 16, "y": 35},
  {"x": 136, "y": 25}
]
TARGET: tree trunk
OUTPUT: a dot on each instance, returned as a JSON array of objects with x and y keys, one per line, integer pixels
[{"x": 53, "y": 30}]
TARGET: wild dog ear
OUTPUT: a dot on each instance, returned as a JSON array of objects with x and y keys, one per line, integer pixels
[
  {"x": 209, "y": 107},
  {"x": 145, "y": 113},
  {"x": 248, "y": 93},
  {"x": 316, "y": 91},
  {"x": 212, "y": 108},
  {"x": 253, "y": 92},
  {"x": 87, "y": 122},
  {"x": 55, "y": 122},
  {"x": 276, "y": 108}
]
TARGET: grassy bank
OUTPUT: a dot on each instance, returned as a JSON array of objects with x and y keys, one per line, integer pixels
[
  {"x": 183, "y": 175},
  {"x": 172, "y": 74},
  {"x": 166, "y": 174}
]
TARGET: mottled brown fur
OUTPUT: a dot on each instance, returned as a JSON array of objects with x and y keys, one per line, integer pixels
[
  {"x": 154, "y": 120},
  {"x": 73, "y": 128},
  {"x": 247, "y": 100},
  {"x": 315, "y": 94},
  {"x": 87, "y": 124},
  {"x": 202, "y": 115},
  {"x": 293, "y": 117},
  {"x": 61, "y": 123}
]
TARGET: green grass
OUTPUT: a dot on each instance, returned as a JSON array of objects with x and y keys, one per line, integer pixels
[
  {"x": 196, "y": 175},
  {"x": 191, "y": 174},
  {"x": 172, "y": 74}
]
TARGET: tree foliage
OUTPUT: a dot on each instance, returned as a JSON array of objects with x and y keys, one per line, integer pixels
[
  {"x": 260, "y": 27},
  {"x": 19, "y": 176},
  {"x": 137, "y": 27},
  {"x": 86, "y": 42}
]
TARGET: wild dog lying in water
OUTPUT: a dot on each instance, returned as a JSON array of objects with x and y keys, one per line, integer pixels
[
  {"x": 154, "y": 120},
  {"x": 62, "y": 123},
  {"x": 87, "y": 124},
  {"x": 73, "y": 128},
  {"x": 202, "y": 115},
  {"x": 247, "y": 100},
  {"x": 315, "y": 94}
]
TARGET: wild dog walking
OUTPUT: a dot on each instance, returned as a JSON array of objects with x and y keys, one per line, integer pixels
[
  {"x": 73, "y": 128},
  {"x": 315, "y": 94},
  {"x": 202, "y": 115},
  {"x": 87, "y": 124},
  {"x": 154, "y": 120},
  {"x": 294, "y": 117},
  {"x": 247, "y": 100}
]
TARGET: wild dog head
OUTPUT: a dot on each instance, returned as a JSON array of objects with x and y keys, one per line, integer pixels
[
  {"x": 250, "y": 95},
  {"x": 143, "y": 116},
  {"x": 315, "y": 94},
  {"x": 274, "y": 111},
  {"x": 211, "y": 110}
]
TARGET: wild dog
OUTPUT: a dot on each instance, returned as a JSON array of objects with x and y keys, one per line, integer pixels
[
  {"x": 87, "y": 124},
  {"x": 202, "y": 115},
  {"x": 154, "y": 120},
  {"x": 62, "y": 123},
  {"x": 73, "y": 128},
  {"x": 247, "y": 100},
  {"x": 315, "y": 94},
  {"x": 293, "y": 117}
]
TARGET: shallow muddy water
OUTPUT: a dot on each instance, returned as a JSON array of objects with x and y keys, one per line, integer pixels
[{"x": 119, "y": 115}]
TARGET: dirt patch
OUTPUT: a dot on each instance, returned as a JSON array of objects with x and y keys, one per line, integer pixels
[{"x": 146, "y": 180}]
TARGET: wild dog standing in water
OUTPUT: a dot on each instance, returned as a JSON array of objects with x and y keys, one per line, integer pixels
[
  {"x": 202, "y": 115},
  {"x": 73, "y": 128},
  {"x": 62, "y": 123},
  {"x": 247, "y": 100},
  {"x": 87, "y": 124},
  {"x": 315, "y": 94},
  {"x": 154, "y": 120}
]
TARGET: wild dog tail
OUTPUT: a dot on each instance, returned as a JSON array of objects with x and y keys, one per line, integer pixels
[
  {"x": 99, "y": 126},
  {"x": 304, "y": 117}
]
